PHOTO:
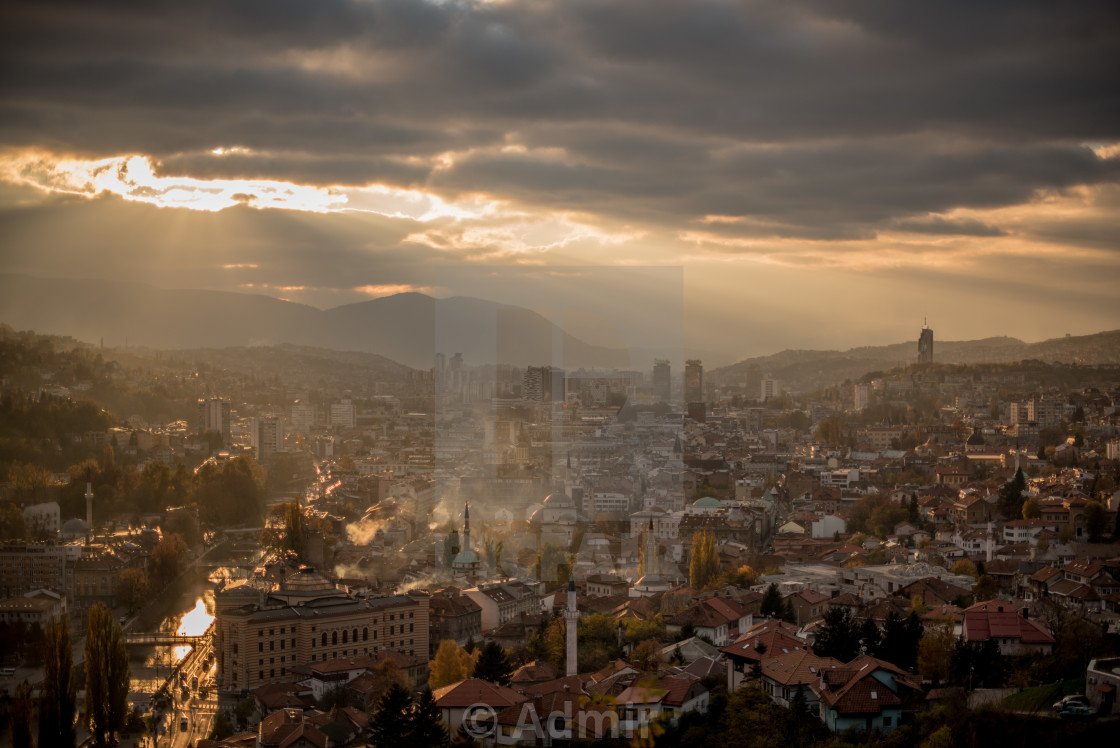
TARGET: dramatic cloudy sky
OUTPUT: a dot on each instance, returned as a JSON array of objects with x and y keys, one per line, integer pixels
[{"x": 822, "y": 173}]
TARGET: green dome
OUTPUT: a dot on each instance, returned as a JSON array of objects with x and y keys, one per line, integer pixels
[{"x": 708, "y": 502}]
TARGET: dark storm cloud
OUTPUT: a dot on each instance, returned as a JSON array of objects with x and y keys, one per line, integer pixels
[{"x": 813, "y": 119}]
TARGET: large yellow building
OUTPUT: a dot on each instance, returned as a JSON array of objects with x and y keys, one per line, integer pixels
[{"x": 260, "y": 635}]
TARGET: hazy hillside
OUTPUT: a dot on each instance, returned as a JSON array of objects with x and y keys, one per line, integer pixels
[
  {"x": 406, "y": 328},
  {"x": 807, "y": 370}
]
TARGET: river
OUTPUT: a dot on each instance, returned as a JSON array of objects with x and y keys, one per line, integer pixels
[{"x": 191, "y": 613}]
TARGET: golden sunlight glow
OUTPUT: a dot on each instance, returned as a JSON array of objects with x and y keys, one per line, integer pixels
[
  {"x": 390, "y": 289},
  {"x": 134, "y": 178}
]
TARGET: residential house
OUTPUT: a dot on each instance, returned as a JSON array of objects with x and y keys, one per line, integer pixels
[
  {"x": 456, "y": 700},
  {"x": 644, "y": 702},
  {"x": 808, "y": 605},
  {"x": 1008, "y": 625},
  {"x": 864, "y": 695}
]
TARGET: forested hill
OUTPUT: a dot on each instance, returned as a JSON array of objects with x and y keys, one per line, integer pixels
[{"x": 801, "y": 370}]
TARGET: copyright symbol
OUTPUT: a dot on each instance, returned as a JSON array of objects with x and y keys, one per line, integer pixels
[{"x": 478, "y": 720}]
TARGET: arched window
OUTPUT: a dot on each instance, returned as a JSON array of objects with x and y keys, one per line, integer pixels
[
  {"x": 324, "y": 638},
  {"x": 355, "y": 636},
  {"x": 344, "y": 636},
  {"x": 334, "y": 637},
  {"x": 365, "y": 634}
]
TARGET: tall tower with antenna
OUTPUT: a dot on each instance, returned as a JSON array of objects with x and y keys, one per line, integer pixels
[{"x": 925, "y": 344}]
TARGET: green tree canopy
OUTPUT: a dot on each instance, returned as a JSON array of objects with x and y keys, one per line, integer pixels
[{"x": 493, "y": 664}]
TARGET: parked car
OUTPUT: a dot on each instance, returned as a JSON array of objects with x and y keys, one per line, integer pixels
[
  {"x": 1073, "y": 698},
  {"x": 1077, "y": 711}
]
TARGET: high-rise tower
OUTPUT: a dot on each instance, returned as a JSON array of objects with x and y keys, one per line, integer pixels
[
  {"x": 662, "y": 387},
  {"x": 693, "y": 381},
  {"x": 925, "y": 345}
]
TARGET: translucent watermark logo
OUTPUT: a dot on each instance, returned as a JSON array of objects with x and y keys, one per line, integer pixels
[{"x": 479, "y": 721}]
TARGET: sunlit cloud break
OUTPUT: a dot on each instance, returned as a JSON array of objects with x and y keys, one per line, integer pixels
[{"x": 134, "y": 178}]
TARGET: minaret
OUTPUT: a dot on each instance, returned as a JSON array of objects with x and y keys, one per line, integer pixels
[
  {"x": 572, "y": 617},
  {"x": 989, "y": 554},
  {"x": 89, "y": 499},
  {"x": 651, "y": 550},
  {"x": 466, "y": 527}
]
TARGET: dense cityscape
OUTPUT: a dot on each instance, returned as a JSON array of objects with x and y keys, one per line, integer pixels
[
  {"x": 522, "y": 556},
  {"x": 645, "y": 373}
]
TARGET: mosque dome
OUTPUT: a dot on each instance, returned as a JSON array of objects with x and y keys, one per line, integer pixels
[
  {"x": 74, "y": 527},
  {"x": 465, "y": 558},
  {"x": 708, "y": 502},
  {"x": 559, "y": 501}
]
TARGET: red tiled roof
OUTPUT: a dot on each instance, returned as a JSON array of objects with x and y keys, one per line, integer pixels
[
  {"x": 476, "y": 691},
  {"x": 981, "y": 625}
]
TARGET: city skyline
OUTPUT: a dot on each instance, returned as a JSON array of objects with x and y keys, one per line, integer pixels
[{"x": 818, "y": 177}]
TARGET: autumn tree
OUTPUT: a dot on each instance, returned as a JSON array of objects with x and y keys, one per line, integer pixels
[
  {"x": 19, "y": 716},
  {"x": 107, "y": 676},
  {"x": 744, "y": 576},
  {"x": 935, "y": 652},
  {"x": 59, "y": 703},
  {"x": 1031, "y": 509},
  {"x": 704, "y": 566},
  {"x": 167, "y": 558},
  {"x": 450, "y": 665},
  {"x": 964, "y": 567},
  {"x": 132, "y": 589},
  {"x": 984, "y": 589},
  {"x": 647, "y": 655}
]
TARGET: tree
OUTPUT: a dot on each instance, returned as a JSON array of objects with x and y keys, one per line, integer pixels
[
  {"x": 1011, "y": 495},
  {"x": 771, "y": 605},
  {"x": 293, "y": 528},
  {"x": 425, "y": 723},
  {"x": 59, "y": 703},
  {"x": 389, "y": 723},
  {"x": 107, "y": 676},
  {"x": 1096, "y": 521},
  {"x": 12, "y": 525},
  {"x": 493, "y": 664},
  {"x": 1031, "y": 509},
  {"x": 935, "y": 652},
  {"x": 132, "y": 589},
  {"x": 19, "y": 716},
  {"x": 984, "y": 589},
  {"x": 167, "y": 558},
  {"x": 647, "y": 655},
  {"x": 704, "y": 566},
  {"x": 838, "y": 635},
  {"x": 450, "y": 665},
  {"x": 744, "y": 577},
  {"x": 899, "y": 643},
  {"x": 964, "y": 567}
]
